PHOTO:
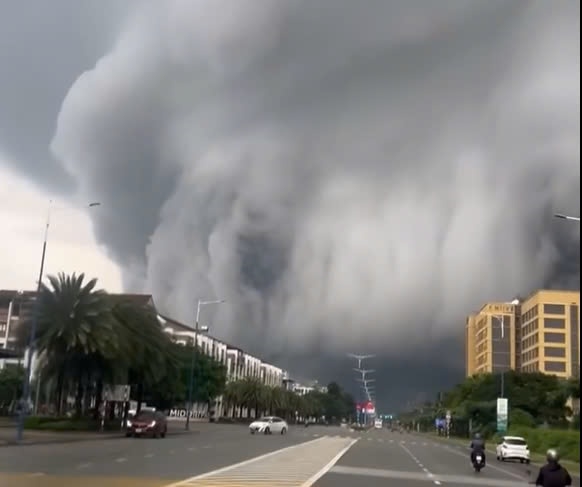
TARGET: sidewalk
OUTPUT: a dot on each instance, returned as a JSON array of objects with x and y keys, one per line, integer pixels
[
  {"x": 36, "y": 437},
  {"x": 31, "y": 437}
]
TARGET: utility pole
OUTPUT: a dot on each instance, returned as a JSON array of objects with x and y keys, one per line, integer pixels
[{"x": 362, "y": 379}]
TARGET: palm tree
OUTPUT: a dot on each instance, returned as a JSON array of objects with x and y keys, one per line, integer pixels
[
  {"x": 233, "y": 397},
  {"x": 75, "y": 333},
  {"x": 144, "y": 351},
  {"x": 253, "y": 396}
]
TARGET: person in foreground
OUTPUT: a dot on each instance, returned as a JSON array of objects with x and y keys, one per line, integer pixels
[
  {"x": 477, "y": 447},
  {"x": 552, "y": 474}
]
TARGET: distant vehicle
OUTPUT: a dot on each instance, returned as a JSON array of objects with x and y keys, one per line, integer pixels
[
  {"x": 269, "y": 425},
  {"x": 513, "y": 448},
  {"x": 148, "y": 423},
  {"x": 378, "y": 424}
]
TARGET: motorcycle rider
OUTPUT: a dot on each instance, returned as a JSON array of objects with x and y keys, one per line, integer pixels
[
  {"x": 477, "y": 448},
  {"x": 552, "y": 474}
]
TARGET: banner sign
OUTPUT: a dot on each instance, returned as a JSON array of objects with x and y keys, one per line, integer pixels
[{"x": 502, "y": 414}]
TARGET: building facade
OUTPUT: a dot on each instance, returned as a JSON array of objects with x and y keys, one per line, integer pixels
[
  {"x": 490, "y": 337},
  {"x": 15, "y": 309},
  {"x": 551, "y": 333},
  {"x": 539, "y": 334}
]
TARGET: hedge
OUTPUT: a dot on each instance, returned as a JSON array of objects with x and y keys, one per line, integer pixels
[
  {"x": 541, "y": 439},
  {"x": 48, "y": 423}
]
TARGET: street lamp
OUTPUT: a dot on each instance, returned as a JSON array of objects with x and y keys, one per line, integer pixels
[
  {"x": 567, "y": 217},
  {"x": 32, "y": 338},
  {"x": 197, "y": 330}
]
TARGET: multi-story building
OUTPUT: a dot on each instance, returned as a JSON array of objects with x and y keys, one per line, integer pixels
[
  {"x": 15, "y": 309},
  {"x": 540, "y": 333},
  {"x": 551, "y": 333},
  {"x": 490, "y": 339}
]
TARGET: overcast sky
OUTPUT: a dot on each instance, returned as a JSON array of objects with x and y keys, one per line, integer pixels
[{"x": 348, "y": 175}]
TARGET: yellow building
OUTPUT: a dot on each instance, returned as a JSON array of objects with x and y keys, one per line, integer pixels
[
  {"x": 550, "y": 333},
  {"x": 490, "y": 339},
  {"x": 470, "y": 336}
]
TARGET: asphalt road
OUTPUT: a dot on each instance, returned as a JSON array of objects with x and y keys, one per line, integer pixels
[
  {"x": 228, "y": 456},
  {"x": 139, "y": 461},
  {"x": 381, "y": 458}
]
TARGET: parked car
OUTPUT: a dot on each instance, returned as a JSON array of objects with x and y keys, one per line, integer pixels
[
  {"x": 269, "y": 425},
  {"x": 148, "y": 423},
  {"x": 513, "y": 448}
]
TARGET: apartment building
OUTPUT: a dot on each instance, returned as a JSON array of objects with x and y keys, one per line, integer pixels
[
  {"x": 490, "y": 339},
  {"x": 15, "y": 309},
  {"x": 539, "y": 333},
  {"x": 239, "y": 364},
  {"x": 550, "y": 336}
]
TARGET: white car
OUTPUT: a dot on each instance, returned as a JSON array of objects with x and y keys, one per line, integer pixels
[
  {"x": 269, "y": 425},
  {"x": 513, "y": 448},
  {"x": 378, "y": 424}
]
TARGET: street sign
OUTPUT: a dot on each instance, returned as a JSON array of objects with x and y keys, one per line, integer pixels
[{"x": 502, "y": 414}]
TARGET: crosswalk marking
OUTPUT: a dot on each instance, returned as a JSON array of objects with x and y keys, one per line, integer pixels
[{"x": 295, "y": 466}]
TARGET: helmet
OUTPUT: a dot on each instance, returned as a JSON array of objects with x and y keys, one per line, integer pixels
[
  {"x": 552, "y": 455},
  {"x": 477, "y": 436}
]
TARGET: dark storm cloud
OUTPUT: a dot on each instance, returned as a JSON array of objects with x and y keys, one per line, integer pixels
[
  {"x": 43, "y": 47},
  {"x": 343, "y": 173}
]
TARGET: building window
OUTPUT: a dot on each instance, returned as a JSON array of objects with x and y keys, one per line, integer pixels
[
  {"x": 554, "y": 309},
  {"x": 557, "y": 352},
  {"x": 554, "y": 337},
  {"x": 554, "y": 366},
  {"x": 555, "y": 323}
]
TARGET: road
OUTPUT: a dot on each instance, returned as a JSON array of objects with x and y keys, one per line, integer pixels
[{"x": 228, "y": 456}]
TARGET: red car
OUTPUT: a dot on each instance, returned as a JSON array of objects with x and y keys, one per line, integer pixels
[{"x": 148, "y": 423}]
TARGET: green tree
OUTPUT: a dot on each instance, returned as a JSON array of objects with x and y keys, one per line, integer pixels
[
  {"x": 145, "y": 355},
  {"x": 11, "y": 379},
  {"x": 75, "y": 333},
  {"x": 538, "y": 396},
  {"x": 171, "y": 389}
]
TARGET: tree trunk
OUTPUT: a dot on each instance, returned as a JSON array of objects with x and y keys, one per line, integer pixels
[
  {"x": 59, "y": 394},
  {"x": 98, "y": 397},
  {"x": 139, "y": 397},
  {"x": 79, "y": 395}
]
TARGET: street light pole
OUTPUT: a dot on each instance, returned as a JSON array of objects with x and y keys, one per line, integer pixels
[
  {"x": 197, "y": 330},
  {"x": 502, "y": 392},
  {"x": 25, "y": 400},
  {"x": 567, "y": 217}
]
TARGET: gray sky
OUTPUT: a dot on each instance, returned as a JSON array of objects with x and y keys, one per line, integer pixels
[{"x": 348, "y": 175}]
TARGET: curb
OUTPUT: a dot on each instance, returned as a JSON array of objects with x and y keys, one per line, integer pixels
[{"x": 72, "y": 439}]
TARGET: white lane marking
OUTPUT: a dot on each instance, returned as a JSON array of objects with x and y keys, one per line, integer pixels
[
  {"x": 182, "y": 483},
  {"x": 121, "y": 460},
  {"x": 329, "y": 466},
  {"x": 428, "y": 473},
  {"x": 148, "y": 455},
  {"x": 84, "y": 465}
]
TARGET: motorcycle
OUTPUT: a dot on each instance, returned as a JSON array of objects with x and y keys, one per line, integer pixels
[{"x": 478, "y": 464}]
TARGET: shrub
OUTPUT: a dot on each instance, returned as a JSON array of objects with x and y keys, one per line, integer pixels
[
  {"x": 48, "y": 423},
  {"x": 520, "y": 418}
]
